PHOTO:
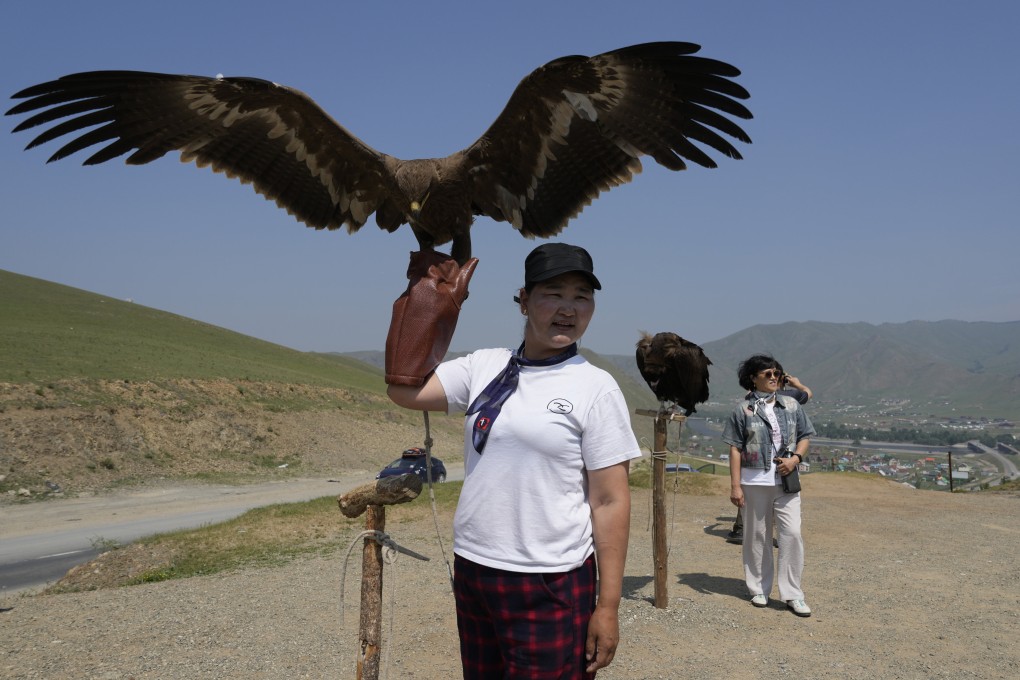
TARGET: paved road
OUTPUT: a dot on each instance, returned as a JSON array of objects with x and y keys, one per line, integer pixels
[
  {"x": 1009, "y": 467},
  {"x": 39, "y": 542}
]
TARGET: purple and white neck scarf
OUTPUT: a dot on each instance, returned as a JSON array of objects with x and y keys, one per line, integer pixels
[{"x": 488, "y": 404}]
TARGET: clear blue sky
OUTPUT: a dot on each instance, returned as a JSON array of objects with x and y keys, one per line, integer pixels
[{"x": 882, "y": 185}]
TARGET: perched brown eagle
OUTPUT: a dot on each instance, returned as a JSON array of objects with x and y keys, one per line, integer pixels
[
  {"x": 572, "y": 129},
  {"x": 675, "y": 369}
]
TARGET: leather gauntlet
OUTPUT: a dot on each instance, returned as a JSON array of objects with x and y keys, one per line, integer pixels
[{"x": 425, "y": 316}]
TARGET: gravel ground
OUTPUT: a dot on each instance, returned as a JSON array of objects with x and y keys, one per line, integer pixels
[{"x": 903, "y": 583}]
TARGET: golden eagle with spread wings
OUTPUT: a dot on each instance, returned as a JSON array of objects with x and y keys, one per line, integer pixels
[
  {"x": 676, "y": 369},
  {"x": 572, "y": 129}
]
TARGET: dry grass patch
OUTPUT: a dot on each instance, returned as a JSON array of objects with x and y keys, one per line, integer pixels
[
  {"x": 694, "y": 484},
  {"x": 268, "y": 536}
]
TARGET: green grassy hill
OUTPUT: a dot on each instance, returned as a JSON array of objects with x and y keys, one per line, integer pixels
[
  {"x": 90, "y": 383},
  {"x": 53, "y": 332},
  {"x": 96, "y": 393}
]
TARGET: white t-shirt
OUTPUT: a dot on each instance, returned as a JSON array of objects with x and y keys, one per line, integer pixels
[{"x": 524, "y": 506}]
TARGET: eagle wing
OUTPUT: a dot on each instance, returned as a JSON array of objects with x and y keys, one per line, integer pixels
[
  {"x": 274, "y": 137},
  {"x": 578, "y": 126},
  {"x": 688, "y": 371}
]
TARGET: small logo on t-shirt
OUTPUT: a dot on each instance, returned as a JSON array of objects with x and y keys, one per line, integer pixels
[{"x": 561, "y": 406}]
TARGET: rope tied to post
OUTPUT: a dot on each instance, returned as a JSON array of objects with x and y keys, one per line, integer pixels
[
  {"x": 432, "y": 496},
  {"x": 664, "y": 456},
  {"x": 390, "y": 550}
]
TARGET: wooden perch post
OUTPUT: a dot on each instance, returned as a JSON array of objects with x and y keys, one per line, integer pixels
[
  {"x": 371, "y": 500},
  {"x": 660, "y": 554}
]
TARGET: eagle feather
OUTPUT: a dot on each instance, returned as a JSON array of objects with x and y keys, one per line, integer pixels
[
  {"x": 676, "y": 369},
  {"x": 571, "y": 129}
]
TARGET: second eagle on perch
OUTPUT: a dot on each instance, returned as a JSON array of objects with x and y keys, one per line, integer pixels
[
  {"x": 572, "y": 129},
  {"x": 676, "y": 369}
]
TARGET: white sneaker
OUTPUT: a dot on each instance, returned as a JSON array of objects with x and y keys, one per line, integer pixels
[
  {"x": 760, "y": 600},
  {"x": 799, "y": 607}
]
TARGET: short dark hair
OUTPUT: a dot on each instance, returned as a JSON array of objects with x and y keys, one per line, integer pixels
[{"x": 752, "y": 366}]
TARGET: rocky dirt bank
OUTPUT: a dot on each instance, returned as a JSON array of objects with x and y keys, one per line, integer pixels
[{"x": 70, "y": 437}]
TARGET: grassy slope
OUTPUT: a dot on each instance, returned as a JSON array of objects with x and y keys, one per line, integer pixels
[
  {"x": 97, "y": 392},
  {"x": 53, "y": 332}
]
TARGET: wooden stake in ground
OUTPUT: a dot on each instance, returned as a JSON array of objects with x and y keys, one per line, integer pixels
[
  {"x": 371, "y": 500},
  {"x": 660, "y": 553}
]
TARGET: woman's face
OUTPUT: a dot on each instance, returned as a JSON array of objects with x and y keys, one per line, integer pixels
[
  {"x": 767, "y": 380},
  {"x": 559, "y": 311}
]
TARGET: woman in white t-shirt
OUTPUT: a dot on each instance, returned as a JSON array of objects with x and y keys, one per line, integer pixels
[
  {"x": 546, "y": 456},
  {"x": 769, "y": 435}
]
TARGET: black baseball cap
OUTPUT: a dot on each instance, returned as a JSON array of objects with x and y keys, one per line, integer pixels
[{"x": 552, "y": 259}]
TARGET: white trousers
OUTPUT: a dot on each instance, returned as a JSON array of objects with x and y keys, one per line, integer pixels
[{"x": 765, "y": 507}]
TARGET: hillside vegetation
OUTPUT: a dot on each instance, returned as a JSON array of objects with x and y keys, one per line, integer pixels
[
  {"x": 97, "y": 392},
  {"x": 54, "y": 332}
]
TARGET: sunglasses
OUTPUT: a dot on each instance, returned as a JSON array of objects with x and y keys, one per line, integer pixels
[{"x": 771, "y": 373}]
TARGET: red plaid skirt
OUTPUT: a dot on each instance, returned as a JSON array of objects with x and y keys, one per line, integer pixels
[{"x": 519, "y": 625}]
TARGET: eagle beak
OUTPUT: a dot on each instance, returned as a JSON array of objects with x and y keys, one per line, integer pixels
[{"x": 416, "y": 206}]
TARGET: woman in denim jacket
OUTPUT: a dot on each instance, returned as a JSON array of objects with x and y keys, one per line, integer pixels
[{"x": 768, "y": 434}]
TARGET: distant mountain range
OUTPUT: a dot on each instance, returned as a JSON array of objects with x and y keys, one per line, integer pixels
[
  {"x": 940, "y": 367},
  {"x": 944, "y": 368}
]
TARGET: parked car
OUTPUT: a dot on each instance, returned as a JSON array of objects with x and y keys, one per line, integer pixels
[
  {"x": 413, "y": 460},
  {"x": 679, "y": 467}
]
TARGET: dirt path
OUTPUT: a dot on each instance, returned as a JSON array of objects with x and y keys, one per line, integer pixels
[
  {"x": 39, "y": 542},
  {"x": 92, "y": 512},
  {"x": 904, "y": 584}
]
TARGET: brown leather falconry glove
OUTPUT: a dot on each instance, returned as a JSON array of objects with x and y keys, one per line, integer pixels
[{"x": 425, "y": 316}]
